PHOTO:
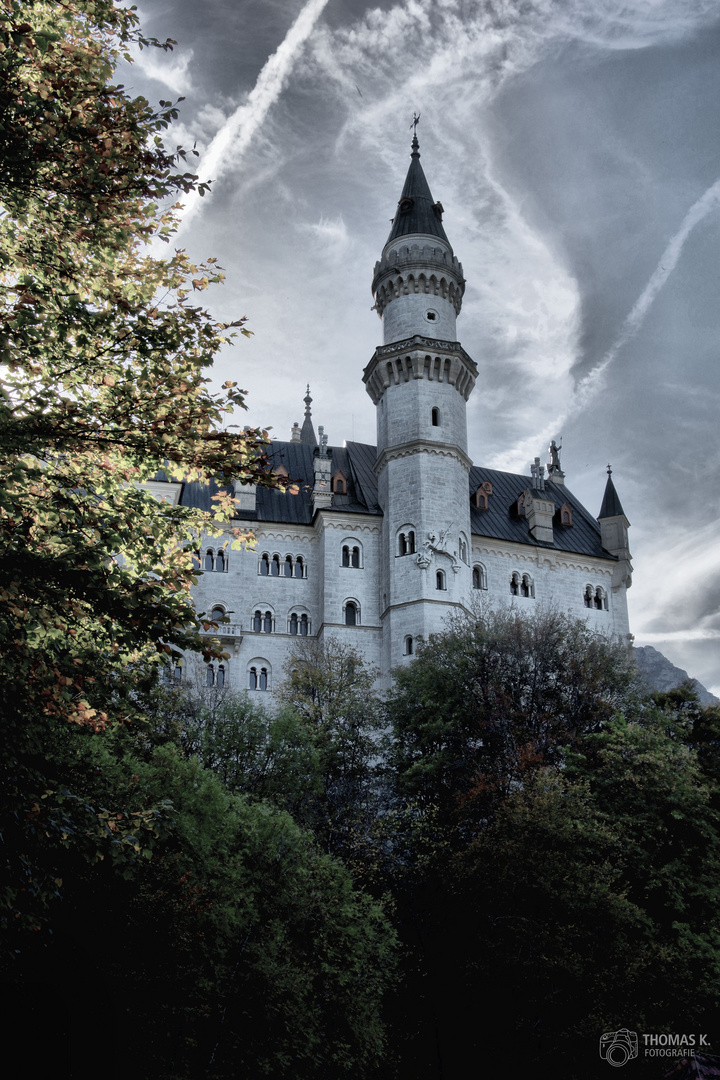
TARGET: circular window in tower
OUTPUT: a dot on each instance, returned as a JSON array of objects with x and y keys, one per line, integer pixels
[{"x": 431, "y": 315}]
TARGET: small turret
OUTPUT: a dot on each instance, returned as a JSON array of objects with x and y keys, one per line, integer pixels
[{"x": 614, "y": 534}]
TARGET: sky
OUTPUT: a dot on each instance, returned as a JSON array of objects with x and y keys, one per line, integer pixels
[{"x": 575, "y": 148}]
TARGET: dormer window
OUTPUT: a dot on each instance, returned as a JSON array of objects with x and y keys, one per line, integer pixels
[
  {"x": 338, "y": 484},
  {"x": 438, "y": 210},
  {"x": 405, "y": 205},
  {"x": 480, "y": 499},
  {"x": 564, "y": 516}
]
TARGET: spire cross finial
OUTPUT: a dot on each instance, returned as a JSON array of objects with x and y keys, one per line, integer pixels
[
  {"x": 609, "y": 471},
  {"x": 308, "y": 401},
  {"x": 415, "y": 122}
]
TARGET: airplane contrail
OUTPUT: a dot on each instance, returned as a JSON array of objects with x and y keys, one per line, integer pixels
[
  {"x": 591, "y": 383},
  {"x": 239, "y": 129},
  {"x": 668, "y": 261}
]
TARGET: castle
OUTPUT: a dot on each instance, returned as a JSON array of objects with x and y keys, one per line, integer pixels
[{"x": 383, "y": 543}]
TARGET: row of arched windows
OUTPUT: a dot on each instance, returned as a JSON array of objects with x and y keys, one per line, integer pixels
[
  {"x": 290, "y": 566},
  {"x": 264, "y": 623}
]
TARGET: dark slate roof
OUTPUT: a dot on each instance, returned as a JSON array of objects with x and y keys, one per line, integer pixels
[
  {"x": 611, "y": 505},
  {"x": 421, "y": 217},
  {"x": 356, "y": 461},
  {"x": 498, "y": 521}
]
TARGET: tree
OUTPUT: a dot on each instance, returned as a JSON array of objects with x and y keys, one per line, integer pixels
[
  {"x": 329, "y": 689},
  {"x": 210, "y": 926},
  {"x": 554, "y": 838},
  {"x": 235, "y": 948},
  {"x": 496, "y": 695},
  {"x": 104, "y": 382}
]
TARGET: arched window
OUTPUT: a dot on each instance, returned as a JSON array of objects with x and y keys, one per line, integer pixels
[
  {"x": 462, "y": 549},
  {"x": 299, "y": 567},
  {"x": 406, "y": 540},
  {"x": 293, "y": 623},
  {"x": 355, "y": 557},
  {"x": 288, "y": 566},
  {"x": 275, "y": 566},
  {"x": 258, "y": 675},
  {"x": 435, "y": 417},
  {"x": 264, "y": 565},
  {"x": 220, "y": 562},
  {"x": 351, "y": 613},
  {"x": 345, "y": 555},
  {"x": 209, "y": 562},
  {"x": 526, "y": 586},
  {"x": 304, "y": 624},
  {"x": 440, "y": 579},
  {"x": 515, "y": 584},
  {"x": 479, "y": 577},
  {"x": 338, "y": 484},
  {"x": 217, "y": 614},
  {"x": 220, "y": 680},
  {"x": 601, "y": 599},
  {"x": 340, "y": 487},
  {"x": 408, "y": 646},
  {"x": 267, "y": 622},
  {"x": 588, "y": 596}
]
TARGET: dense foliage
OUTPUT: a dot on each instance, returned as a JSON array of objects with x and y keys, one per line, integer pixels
[
  {"x": 553, "y": 853},
  {"x": 139, "y": 893}
]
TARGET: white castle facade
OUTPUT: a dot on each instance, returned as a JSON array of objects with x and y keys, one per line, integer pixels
[{"x": 383, "y": 543}]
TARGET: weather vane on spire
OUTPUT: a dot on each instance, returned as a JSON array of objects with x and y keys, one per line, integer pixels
[{"x": 415, "y": 122}]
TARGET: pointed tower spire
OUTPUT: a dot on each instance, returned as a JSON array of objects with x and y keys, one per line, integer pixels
[
  {"x": 417, "y": 211},
  {"x": 307, "y": 435},
  {"x": 418, "y": 284},
  {"x": 614, "y": 534},
  {"x": 611, "y": 505}
]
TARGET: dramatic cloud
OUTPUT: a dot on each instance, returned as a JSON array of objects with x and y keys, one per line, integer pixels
[
  {"x": 233, "y": 138},
  {"x": 574, "y": 147}
]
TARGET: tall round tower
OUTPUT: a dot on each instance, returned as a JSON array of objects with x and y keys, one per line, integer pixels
[{"x": 419, "y": 380}]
